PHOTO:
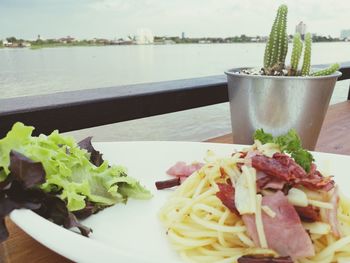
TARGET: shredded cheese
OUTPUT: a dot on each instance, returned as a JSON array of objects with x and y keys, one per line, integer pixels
[
  {"x": 268, "y": 211},
  {"x": 297, "y": 197},
  {"x": 245, "y": 191},
  {"x": 251, "y": 185},
  {"x": 259, "y": 223},
  {"x": 229, "y": 170},
  {"x": 320, "y": 204},
  {"x": 319, "y": 228},
  {"x": 268, "y": 149}
]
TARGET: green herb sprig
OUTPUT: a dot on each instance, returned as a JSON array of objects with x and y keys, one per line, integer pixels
[{"x": 288, "y": 143}]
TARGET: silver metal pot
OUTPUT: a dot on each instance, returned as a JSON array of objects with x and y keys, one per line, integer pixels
[{"x": 278, "y": 104}]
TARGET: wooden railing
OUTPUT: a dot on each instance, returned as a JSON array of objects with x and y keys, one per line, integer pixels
[{"x": 68, "y": 111}]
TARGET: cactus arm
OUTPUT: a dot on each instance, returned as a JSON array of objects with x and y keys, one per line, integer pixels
[
  {"x": 296, "y": 54},
  {"x": 328, "y": 71},
  {"x": 305, "y": 70},
  {"x": 277, "y": 44},
  {"x": 269, "y": 46},
  {"x": 267, "y": 56},
  {"x": 283, "y": 39},
  {"x": 285, "y": 46}
]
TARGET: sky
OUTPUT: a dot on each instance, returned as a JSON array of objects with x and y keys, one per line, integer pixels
[{"x": 197, "y": 18}]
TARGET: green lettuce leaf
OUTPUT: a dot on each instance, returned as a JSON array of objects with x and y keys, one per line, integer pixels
[{"x": 69, "y": 170}]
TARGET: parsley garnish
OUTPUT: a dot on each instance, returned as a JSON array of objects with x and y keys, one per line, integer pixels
[
  {"x": 262, "y": 136},
  {"x": 289, "y": 143}
]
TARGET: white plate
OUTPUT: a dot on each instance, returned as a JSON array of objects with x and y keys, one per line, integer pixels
[{"x": 132, "y": 232}]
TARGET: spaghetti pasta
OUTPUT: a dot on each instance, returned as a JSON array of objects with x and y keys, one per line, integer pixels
[{"x": 202, "y": 229}]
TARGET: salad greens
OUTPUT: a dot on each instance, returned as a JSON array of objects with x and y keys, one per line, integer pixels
[
  {"x": 58, "y": 178},
  {"x": 289, "y": 143}
]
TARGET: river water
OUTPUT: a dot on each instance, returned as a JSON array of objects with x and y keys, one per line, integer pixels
[{"x": 26, "y": 72}]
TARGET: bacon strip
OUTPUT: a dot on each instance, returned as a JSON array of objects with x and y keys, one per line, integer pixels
[
  {"x": 168, "y": 183},
  {"x": 181, "y": 169},
  {"x": 264, "y": 259},
  {"x": 308, "y": 213},
  {"x": 227, "y": 196},
  {"x": 264, "y": 181},
  {"x": 316, "y": 181},
  {"x": 283, "y": 167}
]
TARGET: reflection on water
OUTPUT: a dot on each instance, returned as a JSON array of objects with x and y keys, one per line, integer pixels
[{"x": 26, "y": 72}]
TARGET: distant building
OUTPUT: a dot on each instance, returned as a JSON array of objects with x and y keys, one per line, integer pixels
[
  {"x": 67, "y": 39},
  {"x": 101, "y": 41},
  {"x": 255, "y": 39},
  {"x": 144, "y": 36},
  {"x": 21, "y": 43},
  {"x": 345, "y": 34},
  {"x": 169, "y": 42},
  {"x": 183, "y": 35},
  {"x": 120, "y": 41},
  {"x": 25, "y": 44},
  {"x": 301, "y": 28},
  {"x": 204, "y": 42}
]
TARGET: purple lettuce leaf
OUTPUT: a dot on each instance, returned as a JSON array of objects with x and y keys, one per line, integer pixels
[
  {"x": 21, "y": 190},
  {"x": 55, "y": 209},
  {"x": 95, "y": 156},
  {"x": 88, "y": 210},
  {"x": 6, "y": 207},
  {"x": 4, "y": 234},
  {"x": 25, "y": 170}
]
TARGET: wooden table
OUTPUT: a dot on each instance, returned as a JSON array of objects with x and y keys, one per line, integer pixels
[{"x": 334, "y": 138}]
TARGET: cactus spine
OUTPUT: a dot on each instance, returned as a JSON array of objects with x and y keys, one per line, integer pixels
[
  {"x": 305, "y": 70},
  {"x": 296, "y": 54},
  {"x": 277, "y": 44},
  {"x": 328, "y": 71}
]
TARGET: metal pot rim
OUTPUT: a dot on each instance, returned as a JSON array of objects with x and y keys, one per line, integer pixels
[{"x": 235, "y": 72}]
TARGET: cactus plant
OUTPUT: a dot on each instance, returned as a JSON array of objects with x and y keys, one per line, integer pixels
[
  {"x": 328, "y": 71},
  {"x": 305, "y": 70},
  {"x": 277, "y": 47},
  {"x": 296, "y": 54},
  {"x": 277, "y": 44}
]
